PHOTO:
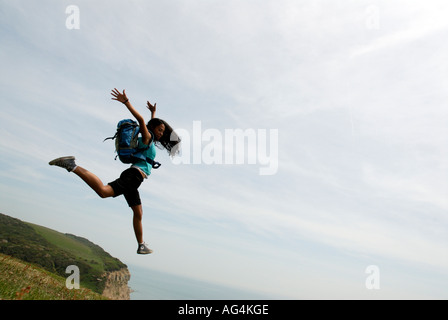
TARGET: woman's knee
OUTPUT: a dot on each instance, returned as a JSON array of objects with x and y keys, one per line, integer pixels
[
  {"x": 105, "y": 192},
  {"x": 138, "y": 212}
]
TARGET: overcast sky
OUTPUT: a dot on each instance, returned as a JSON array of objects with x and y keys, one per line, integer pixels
[{"x": 356, "y": 91}]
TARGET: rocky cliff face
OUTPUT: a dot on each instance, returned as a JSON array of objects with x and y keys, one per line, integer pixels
[{"x": 117, "y": 285}]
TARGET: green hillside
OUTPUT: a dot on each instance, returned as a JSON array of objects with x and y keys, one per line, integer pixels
[
  {"x": 54, "y": 251},
  {"x": 24, "y": 281}
]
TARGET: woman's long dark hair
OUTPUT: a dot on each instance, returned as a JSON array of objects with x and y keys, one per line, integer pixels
[{"x": 170, "y": 140}]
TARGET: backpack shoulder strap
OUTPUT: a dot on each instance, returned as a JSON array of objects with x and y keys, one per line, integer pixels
[{"x": 153, "y": 163}]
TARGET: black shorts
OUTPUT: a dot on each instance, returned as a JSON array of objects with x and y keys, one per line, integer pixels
[{"x": 127, "y": 185}]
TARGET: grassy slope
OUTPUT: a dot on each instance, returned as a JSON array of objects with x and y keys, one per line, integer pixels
[
  {"x": 24, "y": 281},
  {"x": 54, "y": 251},
  {"x": 71, "y": 245}
]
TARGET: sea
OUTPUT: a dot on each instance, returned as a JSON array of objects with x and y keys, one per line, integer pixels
[{"x": 149, "y": 284}]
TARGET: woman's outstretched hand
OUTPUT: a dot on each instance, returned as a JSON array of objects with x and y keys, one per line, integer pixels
[
  {"x": 151, "y": 107},
  {"x": 117, "y": 95}
]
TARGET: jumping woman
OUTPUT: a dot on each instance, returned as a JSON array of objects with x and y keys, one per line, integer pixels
[{"x": 156, "y": 131}]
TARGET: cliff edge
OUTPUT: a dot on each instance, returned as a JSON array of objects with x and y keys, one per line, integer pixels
[{"x": 116, "y": 287}]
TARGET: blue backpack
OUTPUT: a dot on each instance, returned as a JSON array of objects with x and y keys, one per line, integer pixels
[{"x": 126, "y": 143}]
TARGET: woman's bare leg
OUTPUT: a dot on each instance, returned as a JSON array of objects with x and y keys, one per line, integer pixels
[
  {"x": 137, "y": 222},
  {"x": 104, "y": 191},
  {"x": 138, "y": 229},
  {"x": 68, "y": 163}
]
